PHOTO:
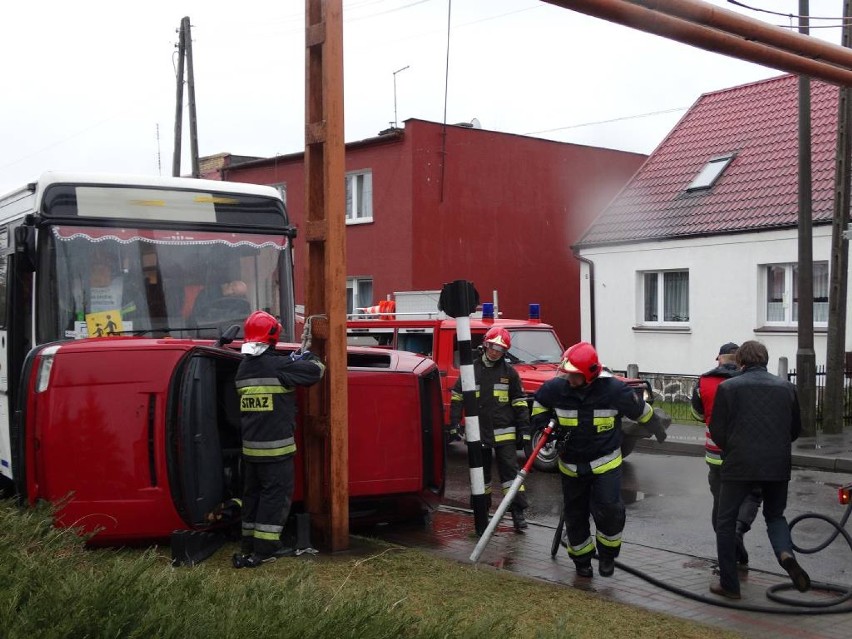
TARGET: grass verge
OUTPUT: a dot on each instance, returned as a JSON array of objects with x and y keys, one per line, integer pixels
[{"x": 54, "y": 587}]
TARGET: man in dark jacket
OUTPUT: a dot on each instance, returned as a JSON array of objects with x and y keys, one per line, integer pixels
[
  {"x": 503, "y": 415},
  {"x": 588, "y": 407},
  {"x": 755, "y": 419},
  {"x": 266, "y": 382},
  {"x": 703, "y": 396}
]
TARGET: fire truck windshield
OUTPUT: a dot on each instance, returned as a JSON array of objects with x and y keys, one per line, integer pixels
[
  {"x": 535, "y": 347},
  {"x": 96, "y": 281}
]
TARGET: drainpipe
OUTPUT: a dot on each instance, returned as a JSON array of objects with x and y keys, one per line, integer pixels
[{"x": 591, "y": 265}]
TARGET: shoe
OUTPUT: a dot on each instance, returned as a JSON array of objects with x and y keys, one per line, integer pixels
[
  {"x": 742, "y": 553},
  {"x": 798, "y": 576},
  {"x": 519, "y": 521},
  {"x": 256, "y": 560},
  {"x": 606, "y": 566},
  {"x": 716, "y": 589},
  {"x": 584, "y": 570},
  {"x": 238, "y": 560}
]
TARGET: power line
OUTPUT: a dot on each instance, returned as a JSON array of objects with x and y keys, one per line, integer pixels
[{"x": 621, "y": 119}]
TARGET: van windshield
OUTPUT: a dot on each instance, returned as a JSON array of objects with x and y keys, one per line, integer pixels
[{"x": 110, "y": 281}]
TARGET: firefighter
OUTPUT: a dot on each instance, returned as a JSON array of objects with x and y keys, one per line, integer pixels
[
  {"x": 588, "y": 407},
  {"x": 503, "y": 415},
  {"x": 266, "y": 382}
]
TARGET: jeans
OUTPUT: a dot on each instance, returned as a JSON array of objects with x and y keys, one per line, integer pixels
[{"x": 731, "y": 497}]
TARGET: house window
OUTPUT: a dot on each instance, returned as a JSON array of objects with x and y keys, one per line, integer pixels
[
  {"x": 709, "y": 173},
  {"x": 782, "y": 293},
  {"x": 359, "y": 294},
  {"x": 665, "y": 297},
  {"x": 359, "y": 197}
]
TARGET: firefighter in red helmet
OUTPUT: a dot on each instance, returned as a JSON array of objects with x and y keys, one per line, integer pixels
[
  {"x": 503, "y": 415},
  {"x": 266, "y": 381},
  {"x": 588, "y": 404}
]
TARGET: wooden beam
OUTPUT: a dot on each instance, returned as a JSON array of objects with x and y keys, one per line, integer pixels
[
  {"x": 326, "y": 441},
  {"x": 626, "y": 13}
]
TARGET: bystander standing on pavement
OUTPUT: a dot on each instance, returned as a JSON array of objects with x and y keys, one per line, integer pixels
[
  {"x": 755, "y": 418},
  {"x": 503, "y": 416},
  {"x": 702, "y": 409}
]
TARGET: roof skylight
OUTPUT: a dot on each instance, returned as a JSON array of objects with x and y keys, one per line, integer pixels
[{"x": 710, "y": 172}]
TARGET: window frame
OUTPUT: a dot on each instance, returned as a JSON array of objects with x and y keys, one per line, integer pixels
[
  {"x": 660, "y": 303},
  {"x": 360, "y": 192},
  {"x": 354, "y": 294},
  {"x": 789, "y": 296},
  {"x": 710, "y": 173}
]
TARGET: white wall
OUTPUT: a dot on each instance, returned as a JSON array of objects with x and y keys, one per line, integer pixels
[{"x": 725, "y": 300}]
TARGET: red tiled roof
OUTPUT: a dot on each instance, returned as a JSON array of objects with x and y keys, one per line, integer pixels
[{"x": 758, "y": 190}]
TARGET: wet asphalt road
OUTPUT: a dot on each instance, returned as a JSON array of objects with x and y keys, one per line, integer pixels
[{"x": 668, "y": 506}]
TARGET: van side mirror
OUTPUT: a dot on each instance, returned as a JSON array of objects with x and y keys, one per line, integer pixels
[{"x": 25, "y": 247}]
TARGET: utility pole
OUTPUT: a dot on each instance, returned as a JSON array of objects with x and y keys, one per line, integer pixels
[
  {"x": 185, "y": 60},
  {"x": 190, "y": 85},
  {"x": 832, "y": 413},
  {"x": 805, "y": 355},
  {"x": 179, "y": 102},
  {"x": 326, "y": 439}
]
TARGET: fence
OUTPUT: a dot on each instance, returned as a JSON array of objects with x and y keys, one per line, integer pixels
[
  {"x": 820, "y": 392},
  {"x": 673, "y": 392}
]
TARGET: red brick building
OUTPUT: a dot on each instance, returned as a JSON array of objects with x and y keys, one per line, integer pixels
[{"x": 500, "y": 210}]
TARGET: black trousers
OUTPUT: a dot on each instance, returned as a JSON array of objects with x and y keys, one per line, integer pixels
[
  {"x": 748, "y": 510},
  {"x": 507, "y": 469},
  {"x": 598, "y": 496},
  {"x": 731, "y": 497},
  {"x": 267, "y": 496}
]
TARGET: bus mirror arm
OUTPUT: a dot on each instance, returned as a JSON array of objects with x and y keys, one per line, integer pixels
[{"x": 25, "y": 249}]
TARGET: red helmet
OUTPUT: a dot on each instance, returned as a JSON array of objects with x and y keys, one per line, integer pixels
[
  {"x": 498, "y": 339},
  {"x": 260, "y": 326},
  {"x": 581, "y": 358}
]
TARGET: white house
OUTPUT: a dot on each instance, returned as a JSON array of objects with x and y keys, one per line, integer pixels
[{"x": 701, "y": 247}]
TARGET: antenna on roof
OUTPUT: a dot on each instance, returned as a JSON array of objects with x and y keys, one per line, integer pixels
[{"x": 394, "y": 92}]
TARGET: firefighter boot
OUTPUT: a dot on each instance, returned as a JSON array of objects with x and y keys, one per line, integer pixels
[
  {"x": 519, "y": 521},
  {"x": 584, "y": 568},
  {"x": 239, "y": 561},
  {"x": 606, "y": 566}
]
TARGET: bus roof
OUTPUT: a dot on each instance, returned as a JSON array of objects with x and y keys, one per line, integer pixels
[{"x": 60, "y": 177}]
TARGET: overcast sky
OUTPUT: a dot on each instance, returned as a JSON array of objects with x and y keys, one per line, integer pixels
[{"x": 91, "y": 86}]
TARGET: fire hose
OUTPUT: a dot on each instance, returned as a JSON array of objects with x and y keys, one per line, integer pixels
[{"x": 510, "y": 494}]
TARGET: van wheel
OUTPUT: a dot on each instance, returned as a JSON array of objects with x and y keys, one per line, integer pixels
[{"x": 546, "y": 460}]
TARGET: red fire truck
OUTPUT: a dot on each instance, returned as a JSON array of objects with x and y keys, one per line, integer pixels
[
  {"x": 535, "y": 353},
  {"x": 117, "y": 397}
]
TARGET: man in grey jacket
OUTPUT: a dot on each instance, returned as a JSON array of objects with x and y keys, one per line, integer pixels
[{"x": 755, "y": 419}]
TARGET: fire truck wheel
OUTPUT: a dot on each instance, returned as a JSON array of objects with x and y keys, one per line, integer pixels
[{"x": 546, "y": 459}]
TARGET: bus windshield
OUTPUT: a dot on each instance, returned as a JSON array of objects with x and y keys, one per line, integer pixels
[{"x": 96, "y": 281}]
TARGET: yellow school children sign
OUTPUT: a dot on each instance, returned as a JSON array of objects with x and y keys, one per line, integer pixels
[{"x": 104, "y": 323}]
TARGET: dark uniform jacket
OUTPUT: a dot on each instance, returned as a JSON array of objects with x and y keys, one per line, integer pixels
[
  {"x": 590, "y": 416},
  {"x": 501, "y": 402},
  {"x": 266, "y": 388},
  {"x": 755, "y": 419}
]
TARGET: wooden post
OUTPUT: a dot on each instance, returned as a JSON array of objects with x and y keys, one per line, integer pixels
[{"x": 326, "y": 441}]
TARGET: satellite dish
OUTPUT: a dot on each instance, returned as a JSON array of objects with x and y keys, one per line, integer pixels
[{"x": 475, "y": 123}]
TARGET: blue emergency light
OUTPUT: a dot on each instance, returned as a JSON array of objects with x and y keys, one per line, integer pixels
[
  {"x": 488, "y": 310},
  {"x": 535, "y": 311}
]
